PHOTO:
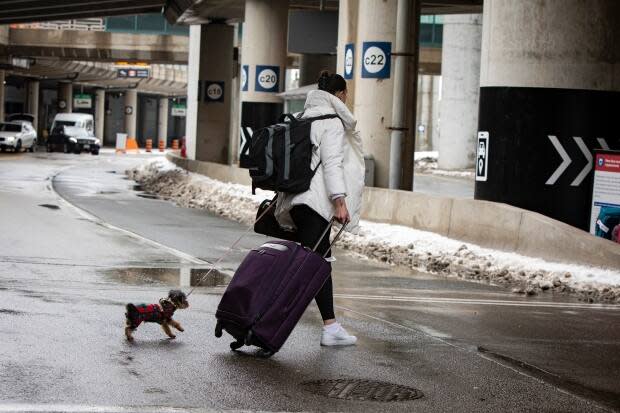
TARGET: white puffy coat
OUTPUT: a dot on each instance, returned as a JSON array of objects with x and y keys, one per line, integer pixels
[{"x": 339, "y": 148}]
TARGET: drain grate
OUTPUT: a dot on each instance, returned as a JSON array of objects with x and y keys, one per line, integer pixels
[{"x": 363, "y": 390}]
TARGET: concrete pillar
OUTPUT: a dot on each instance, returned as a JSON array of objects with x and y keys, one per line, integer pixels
[
  {"x": 100, "y": 114},
  {"x": 33, "y": 101},
  {"x": 162, "y": 120},
  {"x": 371, "y": 99},
  {"x": 549, "y": 96},
  {"x": 425, "y": 113},
  {"x": 2, "y": 93},
  {"x": 65, "y": 97},
  {"x": 436, "y": 115},
  {"x": 460, "y": 71},
  {"x": 310, "y": 65},
  {"x": 209, "y": 92},
  {"x": 131, "y": 107},
  {"x": 263, "y": 56}
]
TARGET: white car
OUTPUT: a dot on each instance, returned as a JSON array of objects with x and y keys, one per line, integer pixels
[{"x": 17, "y": 135}]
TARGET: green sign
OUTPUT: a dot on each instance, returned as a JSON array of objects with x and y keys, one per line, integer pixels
[{"x": 82, "y": 101}]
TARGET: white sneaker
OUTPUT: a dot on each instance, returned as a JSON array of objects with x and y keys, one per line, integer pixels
[{"x": 339, "y": 337}]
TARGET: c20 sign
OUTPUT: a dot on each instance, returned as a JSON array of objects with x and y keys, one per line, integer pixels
[
  {"x": 376, "y": 58},
  {"x": 267, "y": 79}
]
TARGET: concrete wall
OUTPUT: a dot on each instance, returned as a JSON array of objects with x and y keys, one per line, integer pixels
[
  {"x": 484, "y": 223},
  {"x": 99, "y": 46}
]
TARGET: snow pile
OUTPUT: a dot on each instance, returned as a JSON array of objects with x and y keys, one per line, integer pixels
[
  {"x": 394, "y": 244},
  {"x": 426, "y": 163}
]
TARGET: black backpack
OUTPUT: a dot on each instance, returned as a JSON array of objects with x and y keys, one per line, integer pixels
[{"x": 280, "y": 155}]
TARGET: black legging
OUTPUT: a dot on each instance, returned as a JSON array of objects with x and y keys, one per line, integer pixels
[{"x": 310, "y": 225}]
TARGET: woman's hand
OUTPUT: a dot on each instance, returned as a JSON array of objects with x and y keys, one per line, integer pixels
[{"x": 342, "y": 213}]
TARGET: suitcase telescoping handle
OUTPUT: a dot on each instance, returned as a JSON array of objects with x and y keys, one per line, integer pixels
[{"x": 326, "y": 231}]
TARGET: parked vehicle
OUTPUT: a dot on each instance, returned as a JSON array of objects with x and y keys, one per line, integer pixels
[
  {"x": 73, "y": 133},
  {"x": 17, "y": 135}
]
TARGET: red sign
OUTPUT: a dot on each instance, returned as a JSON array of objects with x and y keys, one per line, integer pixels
[{"x": 607, "y": 162}]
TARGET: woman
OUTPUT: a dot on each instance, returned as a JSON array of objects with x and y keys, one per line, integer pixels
[{"x": 335, "y": 190}]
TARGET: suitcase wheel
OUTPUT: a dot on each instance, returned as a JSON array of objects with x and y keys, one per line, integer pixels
[
  {"x": 248, "y": 338},
  {"x": 218, "y": 330},
  {"x": 236, "y": 345}
]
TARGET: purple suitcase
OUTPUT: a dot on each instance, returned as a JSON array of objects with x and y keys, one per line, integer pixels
[{"x": 269, "y": 292}]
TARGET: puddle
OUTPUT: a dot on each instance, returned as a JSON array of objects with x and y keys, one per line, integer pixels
[
  {"x": 182, "y": 277},
  {"x": 111, "y": 172},
  {"x": 107, "y": 192},
  {"x": 50, "y": 206}
]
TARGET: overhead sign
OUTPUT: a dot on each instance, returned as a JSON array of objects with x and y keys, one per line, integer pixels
[
  {"x": 214, "y": 91},
  {"x": 244, "y": 78},
  {"x": 82, "y": 101},
  {"x": 349, "y": 58},
  {"x": 376, "y": 58},
  {"x": 267, "y": 79},
  {"x": 482, "y": 156},
  {"x": 605, "y": 212},
  {"x": 129, "y": 73},
  {"x": 179, "y": 110}
]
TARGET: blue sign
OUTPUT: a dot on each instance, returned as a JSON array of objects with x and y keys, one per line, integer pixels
[
  {"x": 376, "y": 58},
  {"x": 214, "y": 91},
  {"x": 349, "y": 58},
  {"x": 244, "y": 77},
  {"x": 267, "y": 79}
]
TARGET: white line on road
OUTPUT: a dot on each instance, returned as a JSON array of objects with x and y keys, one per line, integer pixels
[
  {"x": 87, "y": 215},
  {"x": 79, "y": 408},
  {"x": 477, "y": 301}
]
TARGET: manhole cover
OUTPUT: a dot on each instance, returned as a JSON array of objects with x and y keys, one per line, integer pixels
[{"x": 364, "y": 390}]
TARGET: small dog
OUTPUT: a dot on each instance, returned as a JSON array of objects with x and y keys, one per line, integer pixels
[{"x": 156, "y": 313}]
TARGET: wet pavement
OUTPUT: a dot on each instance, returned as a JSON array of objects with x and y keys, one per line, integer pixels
[{"x": 66, "y": 273}]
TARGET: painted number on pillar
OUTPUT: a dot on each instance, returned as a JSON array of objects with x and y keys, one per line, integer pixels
[
  {"x": 349, "y": 58},
  {"x": 267, "y": 78},
  {"x": 482, "y": 156},
  {"x": 244, "y": 78},
  {"x": 376, "y": 60},
  {"x": 214, "y": 91}
]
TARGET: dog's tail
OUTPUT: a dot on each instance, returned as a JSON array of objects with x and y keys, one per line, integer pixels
[{"x": 132, "y": 311}]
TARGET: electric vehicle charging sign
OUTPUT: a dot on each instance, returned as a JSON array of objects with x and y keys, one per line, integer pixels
[
  {"x": 214, "y": 91},
  {"x": 482, "y": 156},
  {"x": 376, "y": 58},
  {"x": 244, "y": 78},
  {"x": 349, "y": 58},
  {"x": 267, "y": 79}
]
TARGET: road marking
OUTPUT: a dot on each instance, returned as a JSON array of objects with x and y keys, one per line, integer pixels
[
  {"x": 478, "y": 301},
  {"x": 79, "y": 408},
  {"x": 87, "y": 215}
]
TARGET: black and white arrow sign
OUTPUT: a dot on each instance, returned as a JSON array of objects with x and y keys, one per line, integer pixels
[{"x": 566, "y": 160}]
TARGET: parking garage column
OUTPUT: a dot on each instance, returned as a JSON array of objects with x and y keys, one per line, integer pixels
[
  {"x": 131, "y": 106},
  {"x": 366, "y": 43},
  {"x": 2, "y": 94},
  {"x": 100, "y": 114},
  {"x": 33, "y": 101},
  {"x": 549, "y": 96},
  {"x": 263, "y": 56},
  {"x": 460, "y": 71},
  {"x": 65, "y": 97},
  {"x": 162, "y": 120},
  {"x": 209, "y": 97}
]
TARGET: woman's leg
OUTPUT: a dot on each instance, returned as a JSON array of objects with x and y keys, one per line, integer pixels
[{"x": 310, "y": 225}]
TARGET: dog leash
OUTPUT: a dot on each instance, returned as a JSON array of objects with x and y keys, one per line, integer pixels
[{"x": 234, "y": 244}]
